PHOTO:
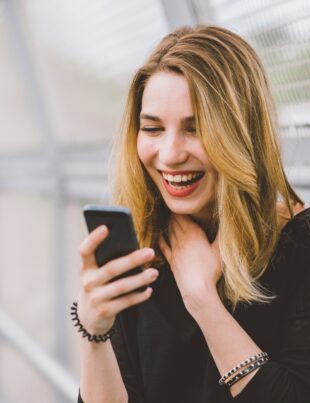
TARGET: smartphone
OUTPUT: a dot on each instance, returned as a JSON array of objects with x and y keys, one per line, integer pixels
[{"x": 121, "y": 239}]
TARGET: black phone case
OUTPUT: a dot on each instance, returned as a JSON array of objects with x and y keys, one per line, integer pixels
[{"x": 121, "y": 239}]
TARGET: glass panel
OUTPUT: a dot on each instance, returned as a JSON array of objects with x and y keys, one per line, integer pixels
[
  {"x": 19, "y": 132},
  {"x": 26, "y": 260},
  {"x": 280, "y": 32},
  {"x": 26, "y": 288},
  {"x": 20, "y": 382},
  {"x": 84, "y": 54}
]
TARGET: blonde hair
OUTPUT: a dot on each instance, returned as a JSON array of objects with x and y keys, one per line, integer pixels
[{"x": 236, "y": 122}]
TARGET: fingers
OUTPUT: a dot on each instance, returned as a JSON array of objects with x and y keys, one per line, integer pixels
[
  {"x": 182, "y": 221},
  {"x": 90, "y": 244},
  {"x": 125, "y": 285},
  {"x": 134, "y": 298},
  {"x": 113, "y": 307},
  {"x": 98, "y": 294},
  {"x": 116, "y": 267},
  {"x": 121, "y": 265},
  {"x": 180, "y": 224},
  {"x": 176, "y": 230}
]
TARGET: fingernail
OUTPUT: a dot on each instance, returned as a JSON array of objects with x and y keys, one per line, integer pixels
[
  {"x": 154, "y": 273},
  {"x": 102, "y": 229},
  {"x": 148, "y": 252}
]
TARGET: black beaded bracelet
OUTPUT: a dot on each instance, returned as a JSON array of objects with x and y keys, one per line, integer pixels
[
  {"x": 246, "y": 371},
  {"x": 81, "y": 328},
  {"x": 241, "y": 365}
]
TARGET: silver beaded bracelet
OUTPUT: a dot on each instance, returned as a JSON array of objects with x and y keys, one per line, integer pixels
[
  {"x": 241, "y": 365},
  {"x": 246, "y": 371}
]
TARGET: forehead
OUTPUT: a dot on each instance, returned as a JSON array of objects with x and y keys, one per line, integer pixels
[{"x": 167, "y": 94}]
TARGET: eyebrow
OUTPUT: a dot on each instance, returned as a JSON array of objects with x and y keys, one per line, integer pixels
[{"x": 187, "y": 119}]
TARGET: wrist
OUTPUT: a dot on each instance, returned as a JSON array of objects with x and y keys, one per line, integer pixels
[
  {"x": 97, "y": 338},
  {"x": 202, "y": 300}
]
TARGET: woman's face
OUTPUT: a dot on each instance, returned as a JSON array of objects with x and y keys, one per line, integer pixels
[{"x": 170, "y": 150}]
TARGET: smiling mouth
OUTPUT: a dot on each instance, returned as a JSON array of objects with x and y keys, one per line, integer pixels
[{"x": 182, "y": 181}]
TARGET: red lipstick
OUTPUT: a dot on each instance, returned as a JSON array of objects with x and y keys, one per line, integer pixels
[{"x": 181, "y": 192}]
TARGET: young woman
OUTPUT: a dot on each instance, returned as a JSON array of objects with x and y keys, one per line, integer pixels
[{"x": 224, "y": 239}]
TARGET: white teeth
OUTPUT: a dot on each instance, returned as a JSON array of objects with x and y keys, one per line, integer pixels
[
  {"x": 177, "y": 187},
  {"x": 179, "y": 178}
]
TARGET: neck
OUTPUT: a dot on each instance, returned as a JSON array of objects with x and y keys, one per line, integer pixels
[{"x": 208, "y": 222}]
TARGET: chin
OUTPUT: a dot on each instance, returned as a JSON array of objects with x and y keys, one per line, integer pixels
[
  {"x": 186, "y": 210},
  {"x": 201, "y": 212}
]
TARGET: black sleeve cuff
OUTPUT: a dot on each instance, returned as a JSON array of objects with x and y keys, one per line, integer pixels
[
  {"x": 274, "y": 383},
  {"x": 80, "y": 399}
]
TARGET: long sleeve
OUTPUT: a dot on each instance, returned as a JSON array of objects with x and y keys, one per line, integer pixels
[
  {"x": 286, "y": 377},
  {"x": 126, "y": 350}
]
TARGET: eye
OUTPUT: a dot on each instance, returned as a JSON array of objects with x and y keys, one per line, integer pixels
[
  {"x": 191, "y": 130},
  {"x": 151, "y": 129}
]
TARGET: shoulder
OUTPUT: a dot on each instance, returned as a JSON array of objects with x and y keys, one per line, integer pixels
[
  {"x": 290, "y": 264},
  {"x": 296, "y": 249},
  {"x": 296, "y": 233}
]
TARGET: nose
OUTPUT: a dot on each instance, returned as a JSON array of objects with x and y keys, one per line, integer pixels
[{"x": 173, "y": 150}]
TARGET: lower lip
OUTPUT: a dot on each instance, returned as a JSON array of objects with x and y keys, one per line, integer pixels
[{"x": 181, "y": 192}]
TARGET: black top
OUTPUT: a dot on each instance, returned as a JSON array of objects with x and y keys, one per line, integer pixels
[{"x": 163, "y": 355}]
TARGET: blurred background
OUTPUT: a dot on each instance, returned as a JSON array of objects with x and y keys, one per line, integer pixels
[{"x": 65, "y": 67}]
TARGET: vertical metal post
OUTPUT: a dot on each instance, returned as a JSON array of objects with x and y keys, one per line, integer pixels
[
  {"x": 179, "y": 12},
  {"x": 50, "y": 150},
  {"x": 203, "y": 11},
  {"x": 28, "y": 74}
]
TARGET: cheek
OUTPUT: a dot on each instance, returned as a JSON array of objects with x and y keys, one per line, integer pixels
[
  {"x": 213, "y": 173},
  {"x": 146, "y": 150}
]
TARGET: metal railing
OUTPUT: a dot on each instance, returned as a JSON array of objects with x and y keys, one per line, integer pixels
[{"x": 61, "y": 379}]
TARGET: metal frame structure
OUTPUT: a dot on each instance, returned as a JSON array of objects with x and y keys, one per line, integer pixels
[
  {"x": 179, "y": 12},
  {"x": 47, "y": 366}
]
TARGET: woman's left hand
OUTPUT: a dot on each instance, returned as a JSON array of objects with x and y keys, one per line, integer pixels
[{"x": 195, "y": 263}]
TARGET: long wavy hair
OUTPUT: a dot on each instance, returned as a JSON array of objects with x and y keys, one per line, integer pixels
[{"x": 236, "y": 123}]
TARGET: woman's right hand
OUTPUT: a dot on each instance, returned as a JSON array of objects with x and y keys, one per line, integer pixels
[{"x": 100, "y": 300}]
